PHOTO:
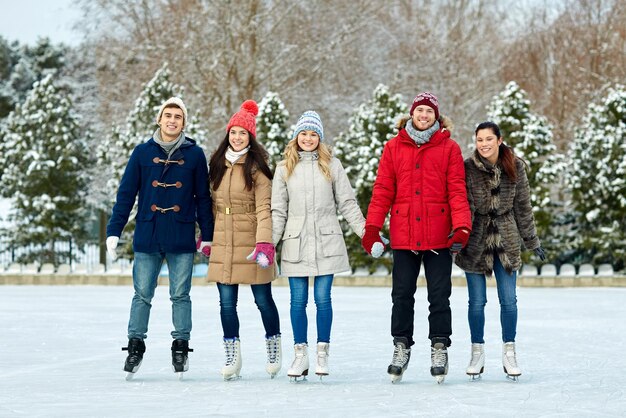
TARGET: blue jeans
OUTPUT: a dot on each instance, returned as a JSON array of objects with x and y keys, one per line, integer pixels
[
  {"x": 477, "y": 289},
  {"x": 146, "y": 270},
  {"x": 299, "y": 287},
  {"x": 263, "y": 299}
]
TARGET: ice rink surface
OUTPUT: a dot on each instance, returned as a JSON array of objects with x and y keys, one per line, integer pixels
[{"x": 61, "y": 357}]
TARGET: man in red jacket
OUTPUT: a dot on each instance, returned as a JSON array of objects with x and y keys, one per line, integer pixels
[{"x": 421, "y": 178}]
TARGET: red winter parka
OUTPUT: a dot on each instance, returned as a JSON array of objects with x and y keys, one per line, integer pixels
[{"x": 424, "y": 186}]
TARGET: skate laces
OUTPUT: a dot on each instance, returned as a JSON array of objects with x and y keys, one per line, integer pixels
[
  {"x": 230, "y": 349},
  {"x": 271, "y": 344},
  {"x": 440, "y": 356},
  {"x": 476, "y": 353},
  {"x": 510, "y": 357},
  {"x": 400, "y": 355},
  {"x": 299, "y": 359},
  {"x": 322, "y": 358}
]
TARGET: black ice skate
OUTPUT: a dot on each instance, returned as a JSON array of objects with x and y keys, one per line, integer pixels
[
  {"x": 400, "y": 360},
  {"x": 136, "y": 348},
  {"x": 180, "y": 358},
  {"x": 439, "y": 359}
]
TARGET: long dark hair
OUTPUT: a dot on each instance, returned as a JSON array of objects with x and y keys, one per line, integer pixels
[
  {"x": 505, "y": 153},
  {"x": 257, "y": 159}
]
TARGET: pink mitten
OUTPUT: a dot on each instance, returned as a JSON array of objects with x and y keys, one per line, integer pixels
[
  {"x": 203, "y": 247},
  {"x": 263, "y": 254}
]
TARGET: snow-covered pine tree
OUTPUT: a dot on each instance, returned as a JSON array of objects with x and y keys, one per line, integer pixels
[
  {"x": 114, "y": 152},
  {"x": 596, "y": 178},
  {"x": 22, "y": 65},
  {"x": 530, "y": 135},
  {"x": 46, "y": 155},
  {"x": 371, "y": 125},
  {"x": 272, "y": 129}
]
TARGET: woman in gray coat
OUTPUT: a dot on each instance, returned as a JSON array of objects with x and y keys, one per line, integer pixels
[
  {"x": 499, "y": 197},
  {"x": 309, "y": 188}
]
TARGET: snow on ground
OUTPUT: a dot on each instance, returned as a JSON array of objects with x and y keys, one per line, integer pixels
[{"x": 61, "y": 357}]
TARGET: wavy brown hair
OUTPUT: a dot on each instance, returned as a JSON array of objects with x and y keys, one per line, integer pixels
[{"x": 257, "y": 159}]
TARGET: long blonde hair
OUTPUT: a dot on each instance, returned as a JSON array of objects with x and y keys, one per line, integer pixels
[{"x": 292, "y": 158}]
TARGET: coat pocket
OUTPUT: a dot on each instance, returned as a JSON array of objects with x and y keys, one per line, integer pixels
[
  {"x": 291, "y": 239},
  {"x": 184, "y": 230},
  {"x": 439, "y": 224},
  {"x": 399, "y": 225},
  {"x": 331, "y": 238}
]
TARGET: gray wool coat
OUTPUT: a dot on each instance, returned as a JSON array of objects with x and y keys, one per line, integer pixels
[
  {"x": 304, "y": 217},
  {"x": 502, "y": 217}
]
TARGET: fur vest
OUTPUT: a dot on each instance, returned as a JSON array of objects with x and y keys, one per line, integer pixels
[{"x": 502, "y": 217}]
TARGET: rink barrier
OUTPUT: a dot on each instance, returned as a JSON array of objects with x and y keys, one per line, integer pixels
[{"x": 363, "y": 280}]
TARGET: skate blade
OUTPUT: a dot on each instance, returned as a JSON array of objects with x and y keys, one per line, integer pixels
[
  {"x": 395, "y": 378},
  {"x": 295, "y": 379},
  {"x": 129, "y": 376},
  {"x": 440, "y": 379},
  {"x": 230, "y": 377},
  {"x": 180, "y": 375},
  {"x": 474, "y": 377},
  {"x": 512, "y": 377},
  {"x": 272, "y": 372}
]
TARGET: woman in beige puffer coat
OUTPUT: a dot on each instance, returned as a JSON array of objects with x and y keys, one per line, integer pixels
[
  {"x": 309, "y": 188},
  {"x": 240, "y": 181}
]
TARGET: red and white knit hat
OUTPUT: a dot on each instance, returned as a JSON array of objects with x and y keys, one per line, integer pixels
[
  {"x": 426, "y": 99},
  {"x": 245, "y": 117}
]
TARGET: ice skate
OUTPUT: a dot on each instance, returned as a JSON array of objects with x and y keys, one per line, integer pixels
[
  {"x": 136, "y": 348},
  {"x": 180, "y": 357},
  {"x": 321, "y": 368},
  {"x": 274, "y": 355},
  {"x": 509, "y": 362},
  {"x": 400, "y": 359},
  {"x": 232, "y": 366},
  {"x": 300, "y": 366},
  {"x": 477, "y": 363},
  {"x": 439, "y": 359}
]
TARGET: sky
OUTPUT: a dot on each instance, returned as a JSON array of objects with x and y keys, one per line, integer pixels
[{"x": 27, "y": 20}]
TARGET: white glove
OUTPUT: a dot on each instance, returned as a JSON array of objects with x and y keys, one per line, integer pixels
[{"x": 111, "y": 246}]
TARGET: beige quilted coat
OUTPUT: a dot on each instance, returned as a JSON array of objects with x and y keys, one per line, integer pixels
[
  {"x": 304, "y": 217},
  {"x": 242, "y": 218}
]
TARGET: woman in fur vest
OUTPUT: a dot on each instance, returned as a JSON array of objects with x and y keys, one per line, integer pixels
[{"x": 499, "y": 197}]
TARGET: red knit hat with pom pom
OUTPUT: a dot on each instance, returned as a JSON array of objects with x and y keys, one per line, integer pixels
[{"x": 246, "y": 117}]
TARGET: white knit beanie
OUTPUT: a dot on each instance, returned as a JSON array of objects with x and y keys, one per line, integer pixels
[
  {"x": 175, "y": 101},
  {"x": 309, "y": 121}
]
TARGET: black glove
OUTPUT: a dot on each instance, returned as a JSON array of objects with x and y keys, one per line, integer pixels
[{"x": 539, "y": 252}]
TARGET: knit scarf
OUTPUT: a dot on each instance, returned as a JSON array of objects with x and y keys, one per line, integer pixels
[
  {"x": 308, "y": 155},
  {"x": 233, "y": 156},
  {"x": 168, "y": 147},
  {"x": 420, "y": 137}
]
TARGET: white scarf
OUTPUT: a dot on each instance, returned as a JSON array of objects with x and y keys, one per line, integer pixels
[{"x": 233, "y": 156}]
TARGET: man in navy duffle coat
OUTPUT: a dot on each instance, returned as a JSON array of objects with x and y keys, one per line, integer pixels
[{"x": 169, "y": 173}]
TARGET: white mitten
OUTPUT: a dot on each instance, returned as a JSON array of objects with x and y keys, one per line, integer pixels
[
  {"x": 378, "y": 248},
  {"x": 111, "y": 246}
]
